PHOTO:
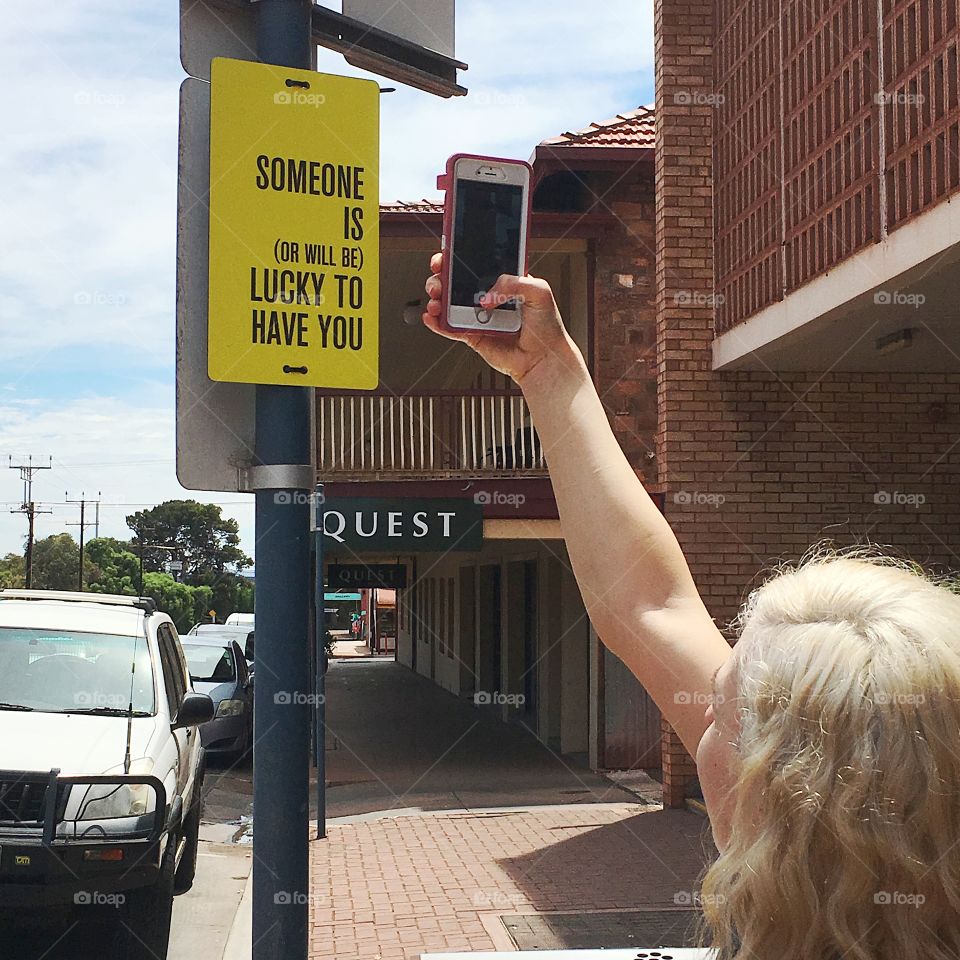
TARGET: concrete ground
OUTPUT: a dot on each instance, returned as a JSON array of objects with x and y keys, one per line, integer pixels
[
  {"x": 204, "y": 917},
  {"x": 447, "y": 829},
  {"x": 445, "y": 821},
  {"x": 396, "y": 741}
]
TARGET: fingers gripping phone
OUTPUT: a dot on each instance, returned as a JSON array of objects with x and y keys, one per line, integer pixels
[{"x": 485, "y": 225}]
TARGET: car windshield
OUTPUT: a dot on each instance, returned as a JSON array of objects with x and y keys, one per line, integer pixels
[
  {"x": 209, "y": 663},
  {"x": 69, "y": 671}
]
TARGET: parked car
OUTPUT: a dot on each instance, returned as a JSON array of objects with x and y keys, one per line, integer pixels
[
  {"x": 101, "y": 765},
  {"x": 242, "y": 633},
  {"x": 239, "y": 620},
  {"x": 219, "y": 669}
]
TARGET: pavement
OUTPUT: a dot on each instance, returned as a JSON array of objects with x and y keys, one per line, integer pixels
[
  {"x": 204, "y": 917},
  {"x": 450, "y": 830}
]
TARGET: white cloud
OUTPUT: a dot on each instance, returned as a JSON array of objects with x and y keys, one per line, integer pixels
[
  {"x": 88, "y": 190},
  {"x": 99, "y": 445}
]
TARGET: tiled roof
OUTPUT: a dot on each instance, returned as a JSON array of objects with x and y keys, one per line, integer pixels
[
  {"x": 415, "y": 206},
  {"x": 633, "y": 128}
]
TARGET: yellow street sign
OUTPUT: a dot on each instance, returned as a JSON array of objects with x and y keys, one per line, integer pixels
[{"x": 294, "y": 227}]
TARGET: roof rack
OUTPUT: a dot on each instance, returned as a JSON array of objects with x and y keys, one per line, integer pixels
[{"x": 146, "y": 604}]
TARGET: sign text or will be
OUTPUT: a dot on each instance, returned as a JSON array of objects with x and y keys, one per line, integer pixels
[{"x": 294, "y": 227}]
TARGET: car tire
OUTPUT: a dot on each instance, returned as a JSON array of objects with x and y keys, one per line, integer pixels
[
  {"x": 183, "y": 880},
  {"x": 147, "y": 913},
  {"x": 187, "y": 870}
]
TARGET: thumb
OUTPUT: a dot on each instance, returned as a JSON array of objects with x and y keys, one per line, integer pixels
[{"x": 524, "y": 290}]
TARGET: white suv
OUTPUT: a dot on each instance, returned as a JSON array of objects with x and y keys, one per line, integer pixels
[{"x": 101, "y": 766}]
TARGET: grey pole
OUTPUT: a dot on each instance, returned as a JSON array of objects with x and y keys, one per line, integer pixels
[
  {"x": 320, "y": 738},
  {"x": 281, "y": 786}
]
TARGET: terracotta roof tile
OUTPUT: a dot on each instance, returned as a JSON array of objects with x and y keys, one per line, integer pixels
[
  {"x": 632, "y": 128},
  {"x": 415, "y": 206}
]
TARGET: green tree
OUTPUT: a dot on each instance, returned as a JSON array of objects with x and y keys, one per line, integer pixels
[
  {"x": 174, "y": 599},
  {"x": 12, "y": 575},
  {"x": 55, "y": 562},
  {"x": 110, "y": 567},
  {"x": 207, "y": 543}
]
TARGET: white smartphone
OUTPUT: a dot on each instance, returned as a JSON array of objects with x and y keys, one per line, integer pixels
[{"x": 485, "y": 235}]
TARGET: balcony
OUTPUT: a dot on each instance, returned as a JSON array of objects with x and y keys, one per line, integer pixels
[{"x": 435, "y": 434}]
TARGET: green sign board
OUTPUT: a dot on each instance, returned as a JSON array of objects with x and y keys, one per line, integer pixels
[{"x": 353, "y": 526}]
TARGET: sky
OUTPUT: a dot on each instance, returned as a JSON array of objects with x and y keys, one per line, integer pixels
[{"x": 88, "y": 175}]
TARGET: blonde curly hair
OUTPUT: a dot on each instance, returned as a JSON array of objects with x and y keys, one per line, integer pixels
[{"x": 845, "y": 833}]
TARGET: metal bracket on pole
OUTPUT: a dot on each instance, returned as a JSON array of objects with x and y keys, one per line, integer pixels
[{"x": 277, "y": 476}]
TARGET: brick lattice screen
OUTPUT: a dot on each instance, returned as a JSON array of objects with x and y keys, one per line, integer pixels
[{"x": 832, "y": 128}]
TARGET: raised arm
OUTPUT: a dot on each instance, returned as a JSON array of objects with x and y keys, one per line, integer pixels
[{"x": 635, "y": 582}]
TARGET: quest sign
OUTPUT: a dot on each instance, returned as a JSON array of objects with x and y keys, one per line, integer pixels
[{"x": 364, "y": 525}]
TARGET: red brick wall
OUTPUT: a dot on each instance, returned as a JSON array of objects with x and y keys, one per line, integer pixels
[
  {"x": 684, "y": 270},
  {"x": 757, "y": 467},
  {"x": 625, "y": 318}
]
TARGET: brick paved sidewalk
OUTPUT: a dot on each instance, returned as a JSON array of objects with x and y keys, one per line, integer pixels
[{"x": 390, "y": 889}]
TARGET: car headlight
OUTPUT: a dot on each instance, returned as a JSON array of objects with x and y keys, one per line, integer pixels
[
  {"x": 109, "y": 801},
  {"x": 229, "y": 708}
]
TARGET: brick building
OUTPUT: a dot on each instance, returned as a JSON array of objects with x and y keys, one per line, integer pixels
[
  {"x": 507, "y": 618},
  {"x": 807, "y": 229}
]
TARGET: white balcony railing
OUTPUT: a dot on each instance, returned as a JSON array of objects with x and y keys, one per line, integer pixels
[{"x": 429, "y": 435}]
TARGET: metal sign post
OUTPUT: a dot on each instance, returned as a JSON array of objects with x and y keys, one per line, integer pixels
[
  {"x": 281, "y": 876},
  {"x": 321, "y": 659}
]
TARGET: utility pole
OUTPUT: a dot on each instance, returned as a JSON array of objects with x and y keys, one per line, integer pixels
[
  {"x": 27, "y": 470},
  {"x": 281, "y": 785},
  {"x": 83, "y": 503}
]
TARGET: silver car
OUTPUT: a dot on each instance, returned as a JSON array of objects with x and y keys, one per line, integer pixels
[{"x": 219, "y": 669}]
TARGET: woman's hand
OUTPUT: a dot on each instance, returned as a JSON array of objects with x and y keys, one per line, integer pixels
[{"x": 542, "y": 334}]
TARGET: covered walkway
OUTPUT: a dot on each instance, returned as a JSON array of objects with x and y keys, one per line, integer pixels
[{"x": 398, "y": 742}]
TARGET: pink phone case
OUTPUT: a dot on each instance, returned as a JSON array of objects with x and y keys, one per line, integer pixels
[{"x": 445, "y": 182}]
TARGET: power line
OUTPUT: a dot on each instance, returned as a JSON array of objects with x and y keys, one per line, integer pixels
[
  {"x": 82, "y": 525},
  {"x": 29, "y": 507}
]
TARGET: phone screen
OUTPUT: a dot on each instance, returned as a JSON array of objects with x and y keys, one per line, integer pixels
[{"x": 486, "y": 239}]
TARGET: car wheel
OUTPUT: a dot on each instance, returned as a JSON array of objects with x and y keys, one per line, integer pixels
[
  {"x": 147, "y": 911},
  {"x": 187, "y": 870}
]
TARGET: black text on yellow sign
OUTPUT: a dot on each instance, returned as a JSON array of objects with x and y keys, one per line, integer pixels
[{"x": 294, "y": 227}]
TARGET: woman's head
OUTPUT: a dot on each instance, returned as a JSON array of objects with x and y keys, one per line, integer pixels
[{"x": 832, "y": 768}]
